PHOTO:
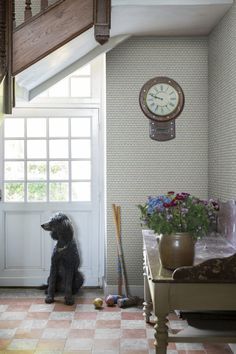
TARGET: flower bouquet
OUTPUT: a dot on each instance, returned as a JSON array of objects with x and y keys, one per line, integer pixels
[{"x": 179, "y": 212}]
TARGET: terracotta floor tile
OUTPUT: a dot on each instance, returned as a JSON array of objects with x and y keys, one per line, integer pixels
[
  {"x": 76, "y": 352},
  {"x": 28, "y": 325},
  {"x": 134, "y": 333},
  {"x": 81, "y": 333},
  {"x": 132, "y": 316},
  {"x": 59, "y": 324},
  {"x": 17, "y": 352},
  {"x": 196, "y": 352},
  {"x": 83, "y": 301},
  {"x": 19, "y": 307},
  {"x": 134, "y": 351},
  {"x": 30, "y": 333},
  {"x": 108, "y": 324},
  {"x": 111, "y": 309},
  {"x": 85, "y": 316},
  {"x": 63, "y": 307},
  {"x": 4, "y": 343},
  {"x": 38, "y": 315},
  {"x": 9, "y": 324}
]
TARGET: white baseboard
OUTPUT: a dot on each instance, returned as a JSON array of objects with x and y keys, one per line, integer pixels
[{"x": 134, "y": 290}]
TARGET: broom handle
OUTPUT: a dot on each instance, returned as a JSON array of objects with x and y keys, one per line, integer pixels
[
  {"x": 119, "y": 280},
  {"x": 119, "y": 249}
]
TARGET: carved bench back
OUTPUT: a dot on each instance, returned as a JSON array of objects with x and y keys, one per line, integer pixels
[{"x": 227, "y": 220}]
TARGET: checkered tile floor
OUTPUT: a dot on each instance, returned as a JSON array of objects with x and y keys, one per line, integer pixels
[{"x": 28, "y": 325}]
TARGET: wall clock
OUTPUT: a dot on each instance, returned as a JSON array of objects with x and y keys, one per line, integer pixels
[{"x": 161, "y": 99}]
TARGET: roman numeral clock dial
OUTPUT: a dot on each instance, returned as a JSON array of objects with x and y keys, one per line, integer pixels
[{"x": 161, "y": 100}]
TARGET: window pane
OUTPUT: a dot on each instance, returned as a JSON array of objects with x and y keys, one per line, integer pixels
[
  {"x": 14, "y": 127},
  {"x": 14, "y": 149},
  {"x": 81, "y": 127},
  {"x": 37, "y": 192},
  {"x": 80, "y": 148},
  {"x": 80, "y": 87},
  {"x": 14, "y": 170},
  {"x": 58, "y": 192},
  {"x": 36, "y": 127},
  {"x": 58, "y": 170},
  {"x": 85, "y": 70},
  {"x": 60, "y": 89},
  {"x": 36, "y": 149},
  {"x": 81, "y": 169},
  {"x": 58, "y": 127},
  {"x": 58, "y": 149},
  {"x": 81, "y": 191},
  {"x": 14, "y": 192},
  {"x": 36, "y": 170}
]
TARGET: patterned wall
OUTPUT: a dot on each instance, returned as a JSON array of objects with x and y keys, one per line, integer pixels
[
  {"x": 20, "y": 6},
  {"x": 222, "y": 108},
  {"x": 138, "y": 166}
]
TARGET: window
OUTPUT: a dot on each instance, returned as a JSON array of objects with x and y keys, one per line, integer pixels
[
  {"x": 75, "y": 85},
  {"x": 47, "y": 159}
]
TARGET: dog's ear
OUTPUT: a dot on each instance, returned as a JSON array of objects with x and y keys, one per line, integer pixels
[{"x": 66, "y": 230}]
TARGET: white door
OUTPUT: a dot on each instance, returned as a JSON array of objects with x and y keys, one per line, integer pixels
[{"x": 49, "y": 163}]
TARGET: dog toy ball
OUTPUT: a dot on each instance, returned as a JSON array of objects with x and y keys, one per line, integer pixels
[
  {"x": 109, "y": 300},
  {"x": 98, "y": 302}
]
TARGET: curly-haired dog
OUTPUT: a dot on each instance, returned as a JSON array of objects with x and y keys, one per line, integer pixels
[{"x": 64, "y": 274}]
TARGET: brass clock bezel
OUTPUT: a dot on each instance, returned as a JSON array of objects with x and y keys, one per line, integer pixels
[{"x": 143, "y": 94}]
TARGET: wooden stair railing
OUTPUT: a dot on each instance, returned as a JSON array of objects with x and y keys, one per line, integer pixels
[
  {"x": 56, "y": 25},
  {"x": 6, "y": 77}
]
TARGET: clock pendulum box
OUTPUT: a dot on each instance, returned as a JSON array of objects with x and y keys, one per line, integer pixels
[{"x": 161, "y": 100}]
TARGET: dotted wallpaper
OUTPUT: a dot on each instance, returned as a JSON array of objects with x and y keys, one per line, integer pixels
[
  {"x": 138, "y": 166},
  {"x": 222, "y": 108},
  {"x": 20, "y": 6}
]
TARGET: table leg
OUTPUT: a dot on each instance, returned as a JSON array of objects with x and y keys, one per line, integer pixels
[
  {"x": 147, "y": 304},
  {"x": 161, "y": 334}
]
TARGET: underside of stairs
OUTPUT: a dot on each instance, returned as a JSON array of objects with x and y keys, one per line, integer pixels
[{"x": 44, "y": 33}]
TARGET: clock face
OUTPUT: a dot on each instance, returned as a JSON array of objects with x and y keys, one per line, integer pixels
[{"x": 161, "y": 99}]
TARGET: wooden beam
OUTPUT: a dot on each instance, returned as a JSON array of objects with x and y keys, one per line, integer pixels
[
  {"x": 44, "y": 34},
  {"x": 2, "y": 39},
  {"x": 8, "y": 96},
  {"x": 102, "y": 20}
]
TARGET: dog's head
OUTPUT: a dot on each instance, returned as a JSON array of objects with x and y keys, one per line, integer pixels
[{"x": 59, "y": 225}]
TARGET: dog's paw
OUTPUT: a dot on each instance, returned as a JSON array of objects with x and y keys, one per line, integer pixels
[
  {"x": 69, "y": 300},
  {"x": 49, "y": 300}
]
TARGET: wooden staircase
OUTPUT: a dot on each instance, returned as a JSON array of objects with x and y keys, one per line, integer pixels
[{"x": 43, "y": 33}]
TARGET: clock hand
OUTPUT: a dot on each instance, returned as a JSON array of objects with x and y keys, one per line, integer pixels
[{"x": 160, "y": 98}]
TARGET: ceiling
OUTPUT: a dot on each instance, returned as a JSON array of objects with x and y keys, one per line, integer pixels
[{"x": 128, "y": 18}]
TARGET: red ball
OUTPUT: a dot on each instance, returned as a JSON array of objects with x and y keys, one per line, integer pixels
[{"x": 109, "y": 300}]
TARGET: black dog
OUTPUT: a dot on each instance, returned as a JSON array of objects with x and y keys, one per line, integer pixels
[{"x": 64, "y": 274}]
